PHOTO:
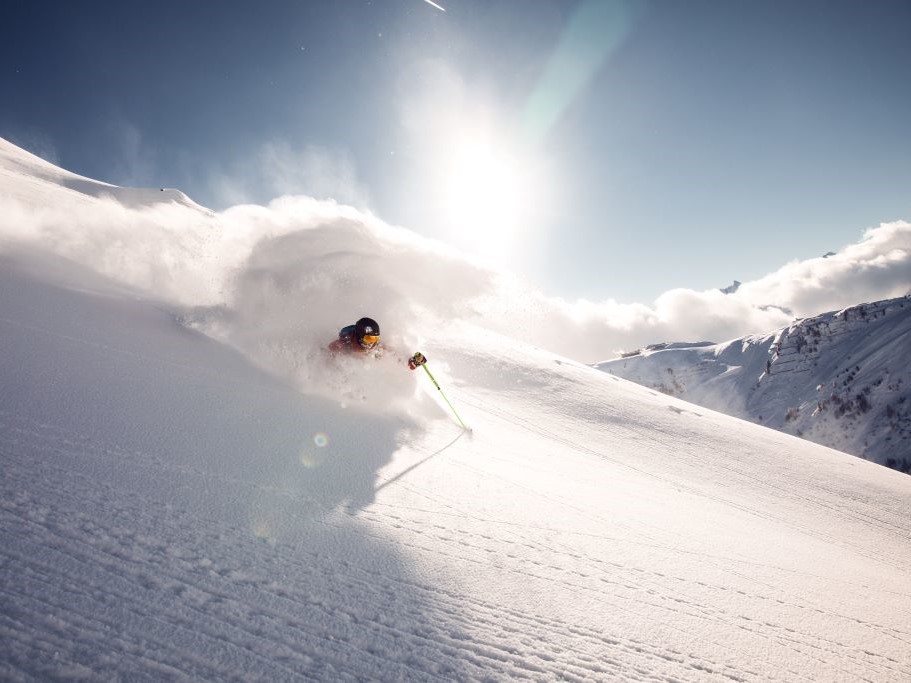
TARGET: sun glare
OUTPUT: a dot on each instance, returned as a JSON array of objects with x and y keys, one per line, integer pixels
[{"x": 483, "y": 200}]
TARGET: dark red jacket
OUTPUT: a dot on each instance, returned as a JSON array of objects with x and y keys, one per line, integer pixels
[{"x": 347, "y": 343}]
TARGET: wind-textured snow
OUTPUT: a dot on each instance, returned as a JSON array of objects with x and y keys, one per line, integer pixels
[
  {"x": 171, "y": 510},
  {"x": 841, "y": 379}
]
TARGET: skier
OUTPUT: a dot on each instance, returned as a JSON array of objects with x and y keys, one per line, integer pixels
[{"x": 364, "y": 337}]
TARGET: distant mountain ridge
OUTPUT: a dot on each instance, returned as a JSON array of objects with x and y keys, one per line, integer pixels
[{"x": 841, "y": 379}]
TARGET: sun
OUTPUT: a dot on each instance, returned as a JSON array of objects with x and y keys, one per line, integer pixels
[{"x": 483, "y": 199}]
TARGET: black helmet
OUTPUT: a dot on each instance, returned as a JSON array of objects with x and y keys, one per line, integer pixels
[{"x": 367, "y": 332}]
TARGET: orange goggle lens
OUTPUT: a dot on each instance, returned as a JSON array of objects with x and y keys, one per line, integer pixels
[{"x": 371, "y": 339}]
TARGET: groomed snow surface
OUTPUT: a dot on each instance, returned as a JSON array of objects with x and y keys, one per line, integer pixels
[{"x": 229, "y": 506}]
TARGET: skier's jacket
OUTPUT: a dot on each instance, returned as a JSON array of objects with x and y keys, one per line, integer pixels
[{"x": 347, "y": 343}]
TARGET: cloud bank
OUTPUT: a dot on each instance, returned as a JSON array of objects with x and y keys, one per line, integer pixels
[
  {"x": 877, "y": 267},
  {"x": 278, "y": 281}
]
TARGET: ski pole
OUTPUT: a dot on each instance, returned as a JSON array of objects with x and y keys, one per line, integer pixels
[
  {"x": 437, "y": 385},
  {"x": 420, "y": 360}
]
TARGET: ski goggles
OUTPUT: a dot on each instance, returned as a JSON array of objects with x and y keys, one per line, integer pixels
[{"x": 370, "y": 339}]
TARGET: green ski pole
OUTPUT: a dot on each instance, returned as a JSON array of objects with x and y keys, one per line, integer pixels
[{"x": 418, "y": 359}]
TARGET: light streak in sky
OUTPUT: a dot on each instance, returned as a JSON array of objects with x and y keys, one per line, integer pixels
[
  {"x": 442, "y": 9},
  {"x": 595, "y": 30}
]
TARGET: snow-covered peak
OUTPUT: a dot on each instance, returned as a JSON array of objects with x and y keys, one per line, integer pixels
[{"x": 842, "y": 379}]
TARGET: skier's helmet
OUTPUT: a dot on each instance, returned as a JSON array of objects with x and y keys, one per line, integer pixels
[{"x": 367, "y": 332}]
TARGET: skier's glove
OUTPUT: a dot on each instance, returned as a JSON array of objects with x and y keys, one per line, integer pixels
[{"x": 416, "y": 360}]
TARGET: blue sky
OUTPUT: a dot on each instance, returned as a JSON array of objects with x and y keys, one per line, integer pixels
[{"x": 606, "y": 150}]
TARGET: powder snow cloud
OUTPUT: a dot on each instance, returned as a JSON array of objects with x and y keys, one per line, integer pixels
[{"x": 279, "y": 280}]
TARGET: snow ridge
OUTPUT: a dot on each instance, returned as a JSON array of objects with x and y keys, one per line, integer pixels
[{"x": 841, "y": 379}]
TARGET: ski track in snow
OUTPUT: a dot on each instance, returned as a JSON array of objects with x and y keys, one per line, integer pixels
[
  {"x": 234, "y": 619},
  {"x": 242, "y": 623}
]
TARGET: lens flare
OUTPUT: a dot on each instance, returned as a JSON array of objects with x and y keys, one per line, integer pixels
[
  {"x": 595, "y": 31},
  {"x": 262, "y": 530},
  {"x": 309, "y": 460}
]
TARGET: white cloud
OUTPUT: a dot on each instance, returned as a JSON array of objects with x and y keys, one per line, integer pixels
[{"x": 876, "y": 267}]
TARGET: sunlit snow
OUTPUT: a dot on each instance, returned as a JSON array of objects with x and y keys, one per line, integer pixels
[{"x": 192, "y": 490}]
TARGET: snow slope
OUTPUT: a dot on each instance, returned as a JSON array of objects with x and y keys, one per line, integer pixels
[
  {"x": 841, "y": 379},
  {"x": 170, "y": 510},
  {"x": 19, "y": 165}
]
